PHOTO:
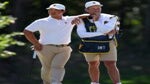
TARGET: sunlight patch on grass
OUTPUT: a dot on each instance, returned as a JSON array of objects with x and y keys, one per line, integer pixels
[{"x": 128, "y": 82}]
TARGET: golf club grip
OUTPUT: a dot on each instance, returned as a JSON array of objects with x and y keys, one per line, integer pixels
[{"x": 34, "y": 55}]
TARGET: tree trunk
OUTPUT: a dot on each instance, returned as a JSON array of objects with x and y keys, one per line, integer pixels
[
  {"x": 147, "y": 23},
  {"x": 19, "y": 10}
]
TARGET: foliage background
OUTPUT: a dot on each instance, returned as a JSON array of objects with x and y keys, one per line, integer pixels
[{"x": 133, "y": 49}]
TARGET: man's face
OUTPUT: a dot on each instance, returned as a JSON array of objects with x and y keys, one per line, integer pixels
[
  {"x": 56, "y": 12},
  {"x": 94, "y": 10}
]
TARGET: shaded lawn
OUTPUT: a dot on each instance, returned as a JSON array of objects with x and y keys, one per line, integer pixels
[{"x": 17, "y": 70}]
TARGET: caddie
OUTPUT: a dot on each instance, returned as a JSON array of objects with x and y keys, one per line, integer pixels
[{"x": 97, "y": 33}]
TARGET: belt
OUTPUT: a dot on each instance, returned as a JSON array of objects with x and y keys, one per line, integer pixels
[{"x": 61, "y": 45}]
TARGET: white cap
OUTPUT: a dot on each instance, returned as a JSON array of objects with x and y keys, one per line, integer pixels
[
  {"x": 92, "y": 3},
  {"x": 56, "y": 6}
]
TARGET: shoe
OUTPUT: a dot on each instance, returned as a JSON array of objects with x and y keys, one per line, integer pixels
[
  {"x": 94, "y": 83},
  {"x": 56, "y": 83}
]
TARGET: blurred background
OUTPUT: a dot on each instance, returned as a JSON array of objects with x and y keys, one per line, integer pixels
[{"x": 18, "y": 67}]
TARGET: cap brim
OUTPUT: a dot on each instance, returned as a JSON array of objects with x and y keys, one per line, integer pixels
[
  {"x": 95, "y": 5},
  {"x": 54, "y": 8},
  {"x": 47, "y": 8}
]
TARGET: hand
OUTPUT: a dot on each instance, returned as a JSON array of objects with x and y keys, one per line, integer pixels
[
  {"x": 37, "y": 46},
  {"x": 112, "y": 32},
  {"x": 95, "y": 16},
  {"x": 75, "y": 21}
]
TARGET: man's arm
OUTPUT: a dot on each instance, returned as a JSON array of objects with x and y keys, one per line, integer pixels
[
  {"x": 116, "y": 29},
  {"x": 107, "y": 26},
  {"x": 81, "y": 31},
  {"x": 31, "y": 38},
  {"x": 83, "y": 16},
  {"x": 78, "y": 17}
]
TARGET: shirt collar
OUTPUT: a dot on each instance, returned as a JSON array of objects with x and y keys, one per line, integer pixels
[{"x": 49, "y": 17}]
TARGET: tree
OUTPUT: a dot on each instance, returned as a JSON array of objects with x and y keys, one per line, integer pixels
[{"x": 7, "y": 40}]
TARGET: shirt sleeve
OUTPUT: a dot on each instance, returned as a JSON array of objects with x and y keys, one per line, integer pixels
[
  {"x": 70, "y": 18},
  {"x": 81, "y": 31},
  {"x": 107, "y": 24},
  {"x": 34, "y": 26}
]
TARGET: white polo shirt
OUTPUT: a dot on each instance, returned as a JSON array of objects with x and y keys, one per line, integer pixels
[
  {"x": 53, "y": 31},
  {"x": 105, "y": 24}
]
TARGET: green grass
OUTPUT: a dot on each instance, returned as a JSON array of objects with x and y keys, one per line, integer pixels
[{"x": 132, "y": 72}]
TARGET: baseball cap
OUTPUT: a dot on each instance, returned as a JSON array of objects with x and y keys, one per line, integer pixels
[
  {"x": 92, "y": 3},
  {"x": 56, "y": 6}
]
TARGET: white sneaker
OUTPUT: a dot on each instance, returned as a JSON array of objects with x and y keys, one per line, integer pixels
[
  {"x": 94, "y": 83},
  {"x": 56, "y": 83}
]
